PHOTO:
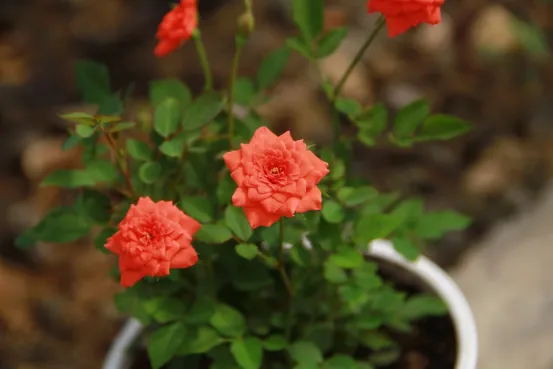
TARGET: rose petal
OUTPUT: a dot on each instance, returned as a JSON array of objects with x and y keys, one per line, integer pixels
[
  {"x": 258, "y": 217},
  {"x": 184, "y": 258},
  {"x": 130, "y": 277},
  {"x": 313, "y": 200}
]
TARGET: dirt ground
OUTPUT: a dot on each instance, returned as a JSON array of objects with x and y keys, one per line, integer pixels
[{"x": 484, "y": 63}]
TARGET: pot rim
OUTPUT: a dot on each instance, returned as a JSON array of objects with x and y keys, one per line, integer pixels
[
  {"x": 424, "y": 268},
  {"x": 449, "y": 292}
]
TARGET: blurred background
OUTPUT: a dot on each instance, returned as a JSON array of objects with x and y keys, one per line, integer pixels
[{"x": 489, "y": 62}]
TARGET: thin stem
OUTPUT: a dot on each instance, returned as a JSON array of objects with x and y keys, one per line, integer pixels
[
  {"x": 202, "y": 55},
  {"x": 121, "y": 163},
  {"x": 230, "y": 103},
  {"x": 379, "y": 24},
  {"x": 281, "y": 268}
]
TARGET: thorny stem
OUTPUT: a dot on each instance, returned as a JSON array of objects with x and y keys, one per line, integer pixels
[
  {"x": 121, "y": 163},
  {"x": 379, "y": 24},
  {"x": 230, "y": 102},
  {"x": 202, "y": 55}
]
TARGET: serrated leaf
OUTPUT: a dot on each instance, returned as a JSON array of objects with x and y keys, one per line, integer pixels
[
  {"x": 442, "y": 127},
  {"x": 305, "y": 352},
  {"x": 197, "y": 207},
  {"x": 332, "y": 212},
  {"x": 374, "y": 226},
  {"x": 165, "y": 343},
  {"x": 247, "y": 250},
  {"x": 298, "y": 46},
  {"x": 213, "y": 233},
  {"x": 248, "y": 352},
  {"x": 167, "y": 117},
  {"x": 228, "y": 321},
  {"x": 237, "y": 222},
  {"x": 149, "y": 172},
  {"x": 139, "y": 150},
  {"x": 79, "y": 118},
  {"x": 275, "y": 342},
  {"x": 174, "y": 148},
  {"x": 202, "y": 111},
  {"x": 121, "y": 126},
  {"x": 271, "y": 68},
  {"x": 409, "y": 118},
  {"x": 309, "y": 16},
  {"x": 346, "y": 257},
  {"x": 353, "y": 196},
  {"x": 331, "y": 41},
  {"x": 169, "y": 89}
]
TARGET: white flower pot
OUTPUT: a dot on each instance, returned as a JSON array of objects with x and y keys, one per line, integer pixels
[{"x": 426, "y": 270}]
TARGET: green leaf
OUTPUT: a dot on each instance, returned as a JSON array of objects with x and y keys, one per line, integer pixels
[
  {"x": 247, "y": 250},
  {"x": 83, "y": 130},
  {"x": 213, "y": 233},
  {"x": 121, "y": 126},
  {"x": 62, "y": 225},
  {"x": 322, "y": 334},
  {"x": 434, "y": 225},
  {"x": 150, "y": 171},
  {"x": 200, "y": 340},
  {"x": 331, "y": 41},
  {"x": 202, "y": 111},
  {"x": 334, "y": 274},
  {"x": 68, "y": 178},
  {"x": 364, "y": 365},
  {"x": 169, "y": 89},
  {"x": 244, "y": 91},
  {"x": 406, "y": 248},
  {"x": 376, "y": 340},
  {"x": 346, "y": 257},
  {"x": 442, "y": 127},
  {"x": 304, "y": 352},
  {"x": 107, "y": 119},
  {"x": 371, "y": 124},
  {"x": 275, "y": 342},
  {"x": 197, "y": 207},
  {"x": 225, "y": 189},
  {"x": 165, "y": 343},
  {"x": 102, "y": 237},
  {"x": 228, "y": 321},
  {"x": 271, "y": 68},
  {"x": 101, "y": 171},
  {"x": 167, "y": 117},
  {"x": 237, "y": 222},
  {"x": 174, "y": 148},
  {"x": 248, "y": 352},
  {"x": 79, "y": 118},
  {"x": 139, "y": 150},
  {"x": 421, "y": 306},
  {"x": 332, "y": 212},
  {"x": 201, "y": 311},
  {"x": 340, "y": 362},
  {"x": 530, "y": 37},
  {"x": 349, "y": 107},
  {"x": 409, "y": 118},
  {"x": 309, "y": 16},
  {"x": 94, "y": 205},
  {"x": 111, "y": 104},
  {"x": 165, "y": 309},
  {"x": 71, "y": 142},
  {"x": 92, "y": 81},
  {"x": 374, "y": 226},
  {"x": 299, "y": 46},
  {"x": 353, "y": 196}
]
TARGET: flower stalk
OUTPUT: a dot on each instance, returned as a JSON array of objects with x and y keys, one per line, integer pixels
[{"x": 202, "y": 55}]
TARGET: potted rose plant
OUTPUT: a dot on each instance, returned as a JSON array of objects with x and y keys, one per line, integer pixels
[{"x": 241, "y": 248}]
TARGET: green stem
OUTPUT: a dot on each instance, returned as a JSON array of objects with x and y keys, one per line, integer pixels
[
  {"x": 122, "y": 163},
  {"x": 202, "y": 55},
  {"x": 379, "y": 25},
  {"x": 230, "y": 102},
  {"x": 281, "y": 267}
]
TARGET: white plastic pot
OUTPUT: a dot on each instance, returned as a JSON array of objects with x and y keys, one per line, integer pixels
[{"x": 430, "y": 273}]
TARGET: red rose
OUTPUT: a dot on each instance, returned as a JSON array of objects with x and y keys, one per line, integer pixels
[
  {"x": 176, "y": 27},
  {"x": 153, "y": 238},
  {"x": 276, "y": 177},
  {"x": 401, "y": 15}
]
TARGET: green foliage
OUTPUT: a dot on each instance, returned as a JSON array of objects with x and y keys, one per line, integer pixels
[
  {"x": 259, "y": 297},
  {"x": 309, "y": 16}
]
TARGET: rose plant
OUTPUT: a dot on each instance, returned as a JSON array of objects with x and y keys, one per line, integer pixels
[{"x": 238, "y": 247}]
